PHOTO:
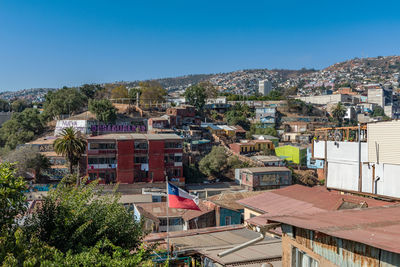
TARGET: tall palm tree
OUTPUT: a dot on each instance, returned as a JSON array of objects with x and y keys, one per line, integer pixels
[
  {"x": 71, "y": 145},
  {"x": 339, "y": 112}
]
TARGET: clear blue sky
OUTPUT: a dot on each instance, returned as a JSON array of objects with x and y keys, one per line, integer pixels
[{"x": 54, "y": 43}]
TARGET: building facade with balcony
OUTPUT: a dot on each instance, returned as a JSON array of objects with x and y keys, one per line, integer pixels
[{"x": 133, "y": 158}]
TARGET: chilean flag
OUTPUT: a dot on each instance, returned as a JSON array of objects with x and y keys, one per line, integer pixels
[{"x": 179, "y": 199}]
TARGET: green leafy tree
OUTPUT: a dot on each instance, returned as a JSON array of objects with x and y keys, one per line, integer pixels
[
  {"x": 4, "y": 105},
  {"x": 26, "y": 159},
  {"x": 73, "y": 218},
  {"x": 257, "y": 128},
  {"x": 90, "y": 90},
  {"x": 338, "y": 113},
  {"x": 196, "y": 96},
  {"x": 378, "y": 111},
  {"x": 71, "y": 145},
  {"x": 21, "y": 128},
  {"x": 12, "y": 200},
  {"x": 63, "y": 101},
  {"x": 235, "y": 163},
  {"x": 214, "y": 162},
  {"x": 238, "y": 115},
  {"x": 75, "y": 226},
  {"x": 133, "y": 92},
  {"x": 152, "y": 92},
  {"x": 103, "y": 109},
  {"x": 19, "y": 105}
]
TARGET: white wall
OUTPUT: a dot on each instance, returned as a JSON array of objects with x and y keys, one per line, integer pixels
[
  {"x": 340, "y": 151},
  {"x": 343, "y": 175},
  {"x": 343, "y": 169}
]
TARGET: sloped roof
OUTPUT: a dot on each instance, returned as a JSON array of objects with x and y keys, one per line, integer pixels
[
  {"x": 378, "y": 227},
  {"x": 159, "y": 210},
  {"x": 135, "y": 198},
  {"x": 228, "y": 199},
  {"x": 266, "y": 169},
  {"x": 298, "y": 199},
  {"x": 261, "y": 252}
]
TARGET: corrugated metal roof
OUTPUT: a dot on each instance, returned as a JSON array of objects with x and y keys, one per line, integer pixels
[
  {"x": 261, "y": 251},
  {"x": 216, "y": 239},
  {"x": 377, "y": 227},
  {"x": 298, "y": 199}
]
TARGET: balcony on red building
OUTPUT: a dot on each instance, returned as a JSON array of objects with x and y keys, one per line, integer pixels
[{"x": 135, "y": 158}]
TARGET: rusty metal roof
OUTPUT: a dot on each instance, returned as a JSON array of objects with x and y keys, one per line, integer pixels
[
  {"x": 377, "y": 227},
  {"x": 298, "y": 199}
]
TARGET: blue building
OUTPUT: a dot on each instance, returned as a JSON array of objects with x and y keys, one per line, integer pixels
[{"x": 313, "y": 163}]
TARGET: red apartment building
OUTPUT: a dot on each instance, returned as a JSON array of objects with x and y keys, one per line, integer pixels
[{"x": 132, "y": 158}]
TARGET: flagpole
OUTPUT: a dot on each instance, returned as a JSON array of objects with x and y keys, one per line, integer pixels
[{"x": 166, "y": 182}]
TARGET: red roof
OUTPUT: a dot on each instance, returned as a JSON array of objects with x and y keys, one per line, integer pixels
[
  {"x": 298, "y": 199},
  {"x": 377, "y": 227}
]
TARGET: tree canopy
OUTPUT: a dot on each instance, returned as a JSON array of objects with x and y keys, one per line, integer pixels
[
  {"x": 120, "y": 92},
  {"x": 27, "y": 159},
  {"x": 152, "y": 92},
  {"x": 196, "y": 96},
  {"x": 103, "y": 109},
  {"x": 338, "y": 113},
  {"x": 214, "y": 162},
  {"x": 238, "y": 115},
  {"x": 21, "y": 128},
  {"x": 256, "y": 128},
  {"x": 19, "y": 105},
  {"x": 64, "y": 101},
  {"x": 4, "y": 105},
  {"x": 90, "y": 90},
  {"x": 12, "y": 200},
  {"x": 74, "y": 226},
  {"x": 378, "y": 111}
]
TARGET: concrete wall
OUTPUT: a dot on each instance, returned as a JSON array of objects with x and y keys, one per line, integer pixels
[{"x": 326, "y": 99}]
